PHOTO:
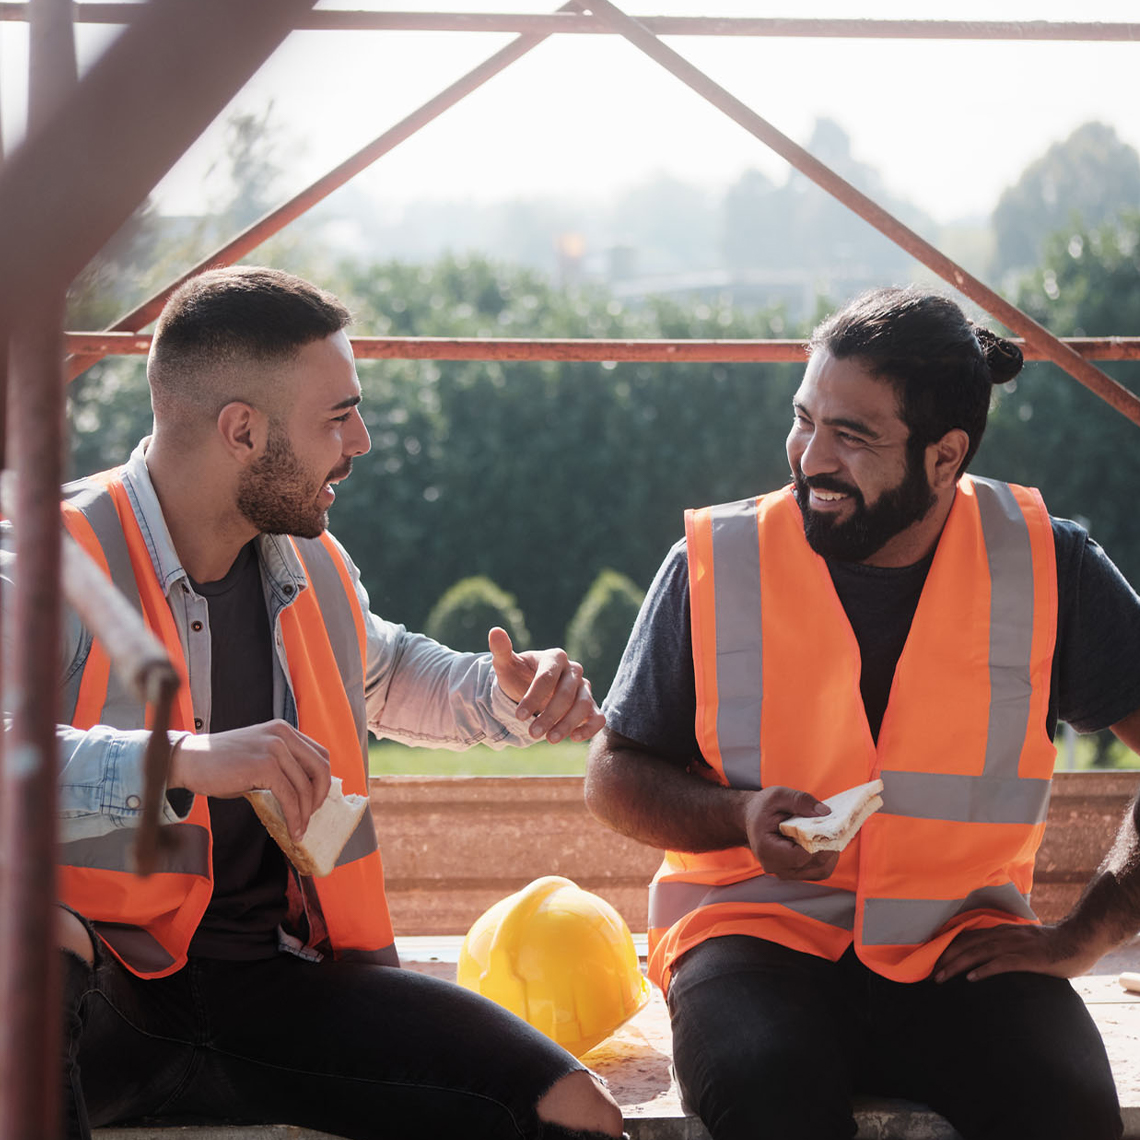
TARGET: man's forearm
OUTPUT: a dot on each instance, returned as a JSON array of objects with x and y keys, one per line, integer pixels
[
  {"x": 658, "y": 803},
  {"x": 1108, "y": 912}
]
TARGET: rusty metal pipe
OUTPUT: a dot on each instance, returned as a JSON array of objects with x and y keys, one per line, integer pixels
[
  {"x": 29, "y": 1029},
  {"x": 1038, "y": 337},
  {"x": 276, "y": 220},
  {"x": 547, "y": 24},
  {"x": 30, "y": 989},
  {"x": 578, "y": 349}
]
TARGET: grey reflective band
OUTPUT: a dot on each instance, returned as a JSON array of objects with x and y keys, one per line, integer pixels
[
  {"x": 1011, "y": 624},
  {"x": 361, "y": 843},
  {"x": 739, "y": 669},
  {"x": 184, "y": 852},
  {"x": 136, "y": 946},
  {"x": 671, "y": 899},
  {"x": 98, "y": 507},
  {"x": 340, "y": 626},
  {"x": 385, "y": 956},
  {"x": 908, "y": 922},
  {"x": 965, "y": 799}
]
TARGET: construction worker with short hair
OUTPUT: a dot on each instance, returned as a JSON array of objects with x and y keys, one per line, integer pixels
[{"x": 226, "y": 985}]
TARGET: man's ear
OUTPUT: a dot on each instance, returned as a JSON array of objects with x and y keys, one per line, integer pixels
[
  {"x": 944, "y": 457},
  {"x": 243, "y": 430}
]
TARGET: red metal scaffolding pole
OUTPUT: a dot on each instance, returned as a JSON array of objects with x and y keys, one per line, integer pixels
[
  {"x": 580, "y": 349},
  {"x": 29, "y": 1040},
  {"x": 151, "y": 93}
]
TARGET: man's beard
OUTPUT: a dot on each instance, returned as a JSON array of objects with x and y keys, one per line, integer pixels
[
  {"x": 868, "y": 529},
  {"x": 278, "y": 497}
]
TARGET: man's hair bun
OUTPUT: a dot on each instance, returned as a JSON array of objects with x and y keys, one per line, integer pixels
[{"x": 1003, "y": 357}]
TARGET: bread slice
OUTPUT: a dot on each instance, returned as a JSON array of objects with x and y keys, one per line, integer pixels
[
  {"x": 329, "y": 829},
  {"x": 833, "y": 832}
]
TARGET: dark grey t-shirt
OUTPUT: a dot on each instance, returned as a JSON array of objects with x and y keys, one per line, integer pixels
[
  {"x": 250, "y": 872},
  {"x": 1096, "y": 665}
]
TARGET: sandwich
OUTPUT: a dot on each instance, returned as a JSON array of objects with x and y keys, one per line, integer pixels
[
  {"x": 328, "y": 830},
  {"x": 833, "y": 832}
]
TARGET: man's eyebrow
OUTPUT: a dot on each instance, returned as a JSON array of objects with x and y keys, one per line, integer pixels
[
  {"x": 351, "y": 402},
  {"x": 858, "y": 426}
]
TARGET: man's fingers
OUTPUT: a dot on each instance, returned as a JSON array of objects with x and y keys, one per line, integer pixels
[
  {"x": 583, "y": 718},
  {"x": 304, "y": 769},
  {"x": 554, "y": 695},
  {"x": 501, "y": 647},
  {"x": 545, "y": 699},
  {"x": 591, "y": 726}
]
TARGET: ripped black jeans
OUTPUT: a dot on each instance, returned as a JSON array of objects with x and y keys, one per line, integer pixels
[{"x": 349, "y": 1048}]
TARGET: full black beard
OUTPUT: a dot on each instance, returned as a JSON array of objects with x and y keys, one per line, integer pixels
[{"x": 869, "y": 528}]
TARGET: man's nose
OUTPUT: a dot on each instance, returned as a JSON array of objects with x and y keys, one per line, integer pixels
[
  {"x": 817, "y": 457},
  {"x": 359, "y": 441}
]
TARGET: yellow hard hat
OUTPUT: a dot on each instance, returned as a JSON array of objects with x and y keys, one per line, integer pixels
[{"x": 559, "y": 957}]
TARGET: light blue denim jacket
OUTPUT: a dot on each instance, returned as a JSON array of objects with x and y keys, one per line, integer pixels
[{"x": 416, "y": 690}]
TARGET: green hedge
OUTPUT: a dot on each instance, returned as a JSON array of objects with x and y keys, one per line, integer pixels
[{"x": 464, "y": 614}]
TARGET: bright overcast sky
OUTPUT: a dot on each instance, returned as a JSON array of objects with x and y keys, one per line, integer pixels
[{"x": 948, "y": 124}]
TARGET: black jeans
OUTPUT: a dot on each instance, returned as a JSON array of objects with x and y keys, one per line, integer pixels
[
  {"x": 769, "y": 1042},
  {"x": 353, "y": 1049}
]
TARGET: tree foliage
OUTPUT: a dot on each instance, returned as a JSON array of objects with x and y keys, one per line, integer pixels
[
  {"x": 1048, "y": 430},
  {"x": 462, "y": 617},
  {"x": 540, "y": 474},
  {"x": 1081, "y": 181},
  {"x": 598, "y": 631}
]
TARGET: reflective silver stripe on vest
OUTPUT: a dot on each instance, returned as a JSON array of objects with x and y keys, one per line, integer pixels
[
  {"x": 907, "y": 922},
  {"x": 671, "y": 899},
  {"x": 135, "y": 945},
  {"x": 361, "y": 843},
  {"x": 340, "y": 625},
  {"x": 739, "y": 669},
  {"x": 999, "y": 795},
  {"x": 1011, "y": 625},
  {"x": 186, "y": 853},
  {"x": 121, "y": 708},
  {"x": 965, "y": 799}
]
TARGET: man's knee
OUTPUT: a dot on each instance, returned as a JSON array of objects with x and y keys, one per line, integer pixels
[
  {"x": 577, "y": 1103},
  {"x": 72, "y": 935}
]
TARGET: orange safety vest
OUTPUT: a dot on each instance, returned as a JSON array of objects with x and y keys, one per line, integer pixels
[
  {"x": 148, "y": 922},
  {"x": 963, "y": 751}
]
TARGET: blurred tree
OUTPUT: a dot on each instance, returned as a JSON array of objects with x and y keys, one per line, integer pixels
[
  {"x": 467, "y": 611},
  {"x": 1049, "y": 431},
  {"x": 598, "y": 631},
  {"x": 1082, "y": 180},
  {"x": 799, "y": 227},
  {"x": 540, "y": 475},
  {"x": 109, "y": 404}
]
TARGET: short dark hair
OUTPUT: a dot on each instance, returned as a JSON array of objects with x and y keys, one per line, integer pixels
[
  {"x": 224, "y": 318},
  {"x": 942, "y": 366}
]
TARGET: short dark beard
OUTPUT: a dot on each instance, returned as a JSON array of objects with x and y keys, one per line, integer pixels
[
  {"x": 275, "y": 494},
  {"x": 868, "y": 529}
]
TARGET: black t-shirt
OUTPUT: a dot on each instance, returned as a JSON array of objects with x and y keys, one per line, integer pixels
[
  {"x": 249, "y": 869},
  {"x": 1096, "y": 665}
]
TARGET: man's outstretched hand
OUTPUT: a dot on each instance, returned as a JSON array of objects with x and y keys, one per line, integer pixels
[{"x": 548, "y": 687}]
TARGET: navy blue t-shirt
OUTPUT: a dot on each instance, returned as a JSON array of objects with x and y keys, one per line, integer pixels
[{"x": 1096, "y": 664}]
